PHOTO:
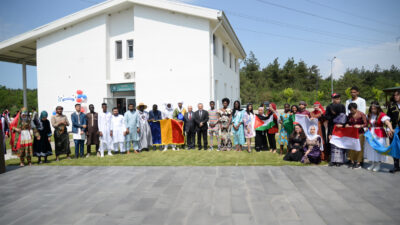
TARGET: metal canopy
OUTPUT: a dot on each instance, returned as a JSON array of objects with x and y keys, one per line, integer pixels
[{"x": 20, "y": 53}]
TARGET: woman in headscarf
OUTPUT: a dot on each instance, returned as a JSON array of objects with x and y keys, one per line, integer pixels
[
  {"x": 237, "y": 124},
  {"x": 318, "y": 114},
  {"x": 41, "y": 145},
  {"x": 248, "y": 120},
  {"x": 313, "y": 147}
]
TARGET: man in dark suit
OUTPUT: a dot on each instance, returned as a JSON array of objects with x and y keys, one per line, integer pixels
[
  {"x": 189, "y": 128},
  {"x": 201, "y": 119}
]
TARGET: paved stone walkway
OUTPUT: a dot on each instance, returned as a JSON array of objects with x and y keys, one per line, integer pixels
[{"x": 198, "y": 195}]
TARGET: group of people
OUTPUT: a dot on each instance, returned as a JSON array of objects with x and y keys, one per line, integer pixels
[
  {"x": 232, "y": 128},
  {"x": 315, "y": 147}
]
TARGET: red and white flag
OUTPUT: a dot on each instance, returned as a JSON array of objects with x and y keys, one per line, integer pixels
[{"x": 346, "y": 138}]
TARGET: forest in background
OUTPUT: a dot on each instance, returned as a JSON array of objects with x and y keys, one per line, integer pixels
[
  {"x": 12, "y": 99},
  {"x": 296, "y": 81}
]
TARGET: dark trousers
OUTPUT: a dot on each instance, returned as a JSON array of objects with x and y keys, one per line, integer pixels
[
  {"x": 89, "y": 150},
  {"x": 261, "y": 141},
  {"x": 190, "y": 139},
  {"x": 271, "y": 140},
  {"x": 79, "y": 147},
  {"x": 200, "y": 134}
]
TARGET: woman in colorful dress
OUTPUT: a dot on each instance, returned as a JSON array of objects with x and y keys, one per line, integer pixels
[
  {"x": 283, "y": 134},
  {"x": 237, "y": 124},
  {"x": 271, "y": 133},
  {"x": 297, "y": 142},
  {"x": 41, "y": 146},
  {"x": 376, "y": 121},
  {"x": 224, "y": 120},
  {"x": 358, "y": 120},
  {"x": 248, "y": 120},
  {"x": 24, "y": 131},
  {"x": 313, "y": 148},
  {"x": 318, "y": 114}
]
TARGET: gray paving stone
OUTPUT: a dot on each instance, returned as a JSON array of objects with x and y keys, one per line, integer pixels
[{"x": 198, "y": 195}]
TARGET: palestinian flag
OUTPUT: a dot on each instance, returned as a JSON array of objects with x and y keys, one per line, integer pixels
[
  {"x": 262, "y": 125},
  {"x": 346, "y": 138}
]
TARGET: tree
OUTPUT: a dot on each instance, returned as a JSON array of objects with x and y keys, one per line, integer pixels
[{"x": 288, "y": 93}]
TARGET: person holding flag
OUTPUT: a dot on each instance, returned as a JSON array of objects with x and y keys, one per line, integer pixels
[
  {"x": 376, "y": 121},
  {"x": 271, "y": 132},
  {"x": 179, "y": 114},
  {"x": 261, "y": 125}
]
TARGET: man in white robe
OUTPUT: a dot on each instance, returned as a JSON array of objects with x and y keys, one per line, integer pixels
[
  {"x": 104, "y": 131},
  {"x": 168, "y": 114},
  {"x": 145, "y": 131},
  {"x": 117, "y": 131},
  {"x": 132, "y": 124}
]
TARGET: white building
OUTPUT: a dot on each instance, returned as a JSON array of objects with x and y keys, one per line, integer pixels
[{"x": 123, "y": 51}]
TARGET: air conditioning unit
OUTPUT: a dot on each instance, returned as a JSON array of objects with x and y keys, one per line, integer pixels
[{"x": 129, "y": 75}]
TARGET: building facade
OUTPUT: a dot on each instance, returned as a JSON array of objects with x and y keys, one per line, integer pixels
[{"x": 130, "y": 51}]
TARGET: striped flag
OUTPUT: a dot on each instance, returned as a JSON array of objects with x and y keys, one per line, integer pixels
[
  {"x": 167, "y": 131},
  {"x": 262, "y": 125},
  {"x": 346, "y": 138}
]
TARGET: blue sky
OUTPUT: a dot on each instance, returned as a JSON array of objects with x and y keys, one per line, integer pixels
[{"x": 358, "y": 32}]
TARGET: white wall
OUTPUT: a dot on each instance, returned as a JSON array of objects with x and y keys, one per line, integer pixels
[
  {"x": 171, "y": 60},
  {"x": 120, "y": 28},
  {"x": 71, "y": 59},
  {"x": 225, "y": 75},
  {"x": 172, "y": 57}
]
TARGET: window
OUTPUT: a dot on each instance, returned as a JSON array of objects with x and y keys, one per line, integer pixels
[
  {"x": 129, "y": 44},
  {"x": 230, "y": 60},
  {"x": 235, "y": 64},
  {"x": 223, "y": 53},
  {"x": 118, "y": 49},
  {"x": 215, "y": 44}
]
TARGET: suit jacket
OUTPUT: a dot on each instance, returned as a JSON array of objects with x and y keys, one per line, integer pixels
[
  {"x": 203, "y": 118},
  {"x": 189, "y": 124}
]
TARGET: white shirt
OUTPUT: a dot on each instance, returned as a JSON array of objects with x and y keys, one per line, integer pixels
[
  {"x": 167, "y": 114},
  {"x": 361, "y": 105},
  {"x": 105, "y": 124}
]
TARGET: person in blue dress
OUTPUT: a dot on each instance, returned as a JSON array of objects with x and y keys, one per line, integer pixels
[{"x": 237, "y": 124}]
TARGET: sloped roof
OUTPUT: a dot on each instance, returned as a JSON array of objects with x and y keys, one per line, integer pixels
[{"x": 22, "y": 48}]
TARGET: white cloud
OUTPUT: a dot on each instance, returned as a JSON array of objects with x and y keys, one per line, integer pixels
[{"x": 384, "y": 54}]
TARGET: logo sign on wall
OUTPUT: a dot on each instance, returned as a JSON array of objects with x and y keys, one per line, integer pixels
[{"x": 68, "y": 102}]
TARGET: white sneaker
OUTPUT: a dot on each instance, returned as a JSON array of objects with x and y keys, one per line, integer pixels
[
  {"x": 109, "y": 153},
  {"x": 101, "y": 155},
  {"x": 211, "y": 148},
  {"x": 165, "y": 149},
  {"x": 371, "y": 166},
  {"x": 173, "y": 149},
  {"x": 377, "y": 168}
]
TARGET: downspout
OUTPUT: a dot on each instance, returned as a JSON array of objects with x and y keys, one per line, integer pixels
[{"x": 212, "y": 61}]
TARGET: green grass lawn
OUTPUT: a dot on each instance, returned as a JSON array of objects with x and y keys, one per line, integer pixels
[{"x": 172, "y": 158}]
